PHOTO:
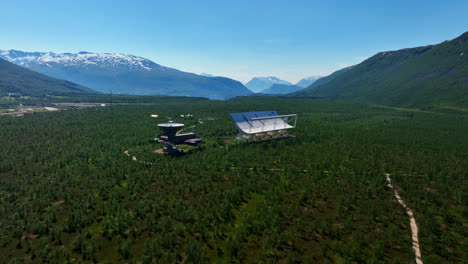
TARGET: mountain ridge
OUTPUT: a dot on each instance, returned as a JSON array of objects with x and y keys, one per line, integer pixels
[
  {"x": 125, "y": 74},
  {"x": 258, "y": 84},
  {"x": 20, "y": 80},
  {"x": 423, "y": 76},
  {"x": 281, "y": 89},
  {"x": 307, "y": 81}
]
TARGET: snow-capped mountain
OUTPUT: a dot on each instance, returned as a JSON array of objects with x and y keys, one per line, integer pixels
[
  {"x": 126, "y": 74},
  {"x": 259, "y": 84},
  {"x": 110, "y": 61},
  {"x": 306, "y": 82}
]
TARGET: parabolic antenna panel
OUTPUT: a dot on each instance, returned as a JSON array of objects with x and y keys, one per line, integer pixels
[
  {"x": 260, "y": 122},
  {"x": 170, "y": 130},
  {"x": 170, "y": 125}
]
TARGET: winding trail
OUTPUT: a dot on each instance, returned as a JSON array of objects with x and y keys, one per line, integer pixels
[{"x": 414, "y": 227}]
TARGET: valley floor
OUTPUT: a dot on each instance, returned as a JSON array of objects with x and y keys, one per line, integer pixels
[{"x": 70, "y": 193}]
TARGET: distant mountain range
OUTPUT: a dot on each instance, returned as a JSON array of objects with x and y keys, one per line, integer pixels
[
  {"x": 125, "y": 74},
  {"x": 307, "y": 81},
  {"x": 281, "y": 89},
  {"x": 258, "y": 84},
  {"x": 274, "y": 85},
  {"x": 18, "y": 80},
  {"x": 414, "y": 77}
]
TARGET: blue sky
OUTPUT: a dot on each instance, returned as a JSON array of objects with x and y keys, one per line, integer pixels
[{"x": 238, "y": 39}]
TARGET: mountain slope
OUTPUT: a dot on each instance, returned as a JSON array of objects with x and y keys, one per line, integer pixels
[
  {"x": 126, "y": 74},
  {"x": 328, "y": 78},
  {"x": 305, "y": 82},
  {"x": 415, "y": 77},
  {"x": 281, "y": 89},
  {"x": 17, "y": 79},
  {"x": 259, "y": 84},
  {"x": 207, "y": 75}
]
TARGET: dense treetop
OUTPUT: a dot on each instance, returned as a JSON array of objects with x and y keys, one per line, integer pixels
[{"x": 68, "y": 193}]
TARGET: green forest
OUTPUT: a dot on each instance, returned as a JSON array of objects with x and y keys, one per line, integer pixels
[{"x": 69, "y": 194}]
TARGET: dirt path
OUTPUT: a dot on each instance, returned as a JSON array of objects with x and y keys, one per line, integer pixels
[
  {"x": 414, "y": 227},
  {"x": 126, "y": 153},
  {"x": 135, "y": 159}
]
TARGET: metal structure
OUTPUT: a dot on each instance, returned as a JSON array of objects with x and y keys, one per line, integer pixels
[
  {"x": 262, "y": 124},
  {"x": 171, "y": 138},
  {"x": 170, "y": 132}
]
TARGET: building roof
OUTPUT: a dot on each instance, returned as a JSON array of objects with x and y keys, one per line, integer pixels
[{"x": 170, "y": 125}]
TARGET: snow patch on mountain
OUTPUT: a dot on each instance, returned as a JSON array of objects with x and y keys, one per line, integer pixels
[
  {"x": 100, "y": 60},
  {"x": 273, "y": 80},
  {"x": 126, "y": 74}
]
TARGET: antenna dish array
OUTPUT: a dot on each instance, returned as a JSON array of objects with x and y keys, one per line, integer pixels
[
  {"x": 263, "y": 123},
  {"x": 170, "y": 130}
]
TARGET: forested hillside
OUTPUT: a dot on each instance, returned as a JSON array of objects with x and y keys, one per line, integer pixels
[
  {"x": 418, "y": 77},
  {"x": 323, "y": 80},
  {"x": 19, "y": 80},
  {"x": 69, "y": 194}
]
